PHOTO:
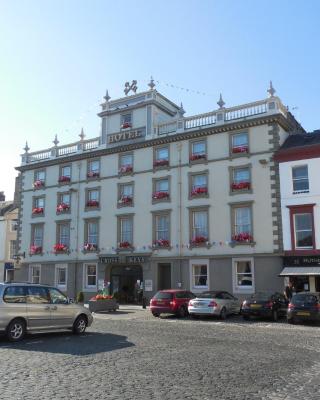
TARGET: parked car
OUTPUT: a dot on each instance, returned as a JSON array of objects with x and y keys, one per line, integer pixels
[
  {"x": 171, "y": 301},
  {"x": 304, "y": 306},
  {"x": 267, "y": 305},
  {"x": 217, "y": 303},
  {"x": 28, "y": 307}
]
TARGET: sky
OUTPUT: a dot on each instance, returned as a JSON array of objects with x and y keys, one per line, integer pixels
[{"x": 57, "y": 58}]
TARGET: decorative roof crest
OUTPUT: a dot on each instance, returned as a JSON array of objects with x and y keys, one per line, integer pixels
[{"x": 133, "y": 86}]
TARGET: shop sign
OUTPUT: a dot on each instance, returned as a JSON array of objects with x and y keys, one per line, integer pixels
[
  {"x": 123, "y": 259},
  {"x": 136, "y": 259},
  {"x": 8, "y": 266},
  {"x": 301, "y": 260},
  {"x": 109, "y": 260}
]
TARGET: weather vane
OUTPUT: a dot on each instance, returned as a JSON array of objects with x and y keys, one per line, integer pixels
[{"x": 128, "y": 87}]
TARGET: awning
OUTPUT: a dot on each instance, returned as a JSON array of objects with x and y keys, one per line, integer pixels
[{"x": 302, "y": 271}]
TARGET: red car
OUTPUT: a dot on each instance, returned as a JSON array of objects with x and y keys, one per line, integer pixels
[{"x": 171, "y": 301}]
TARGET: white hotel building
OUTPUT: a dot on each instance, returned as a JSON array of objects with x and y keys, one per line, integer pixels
[{"x": 167, "y": 200}]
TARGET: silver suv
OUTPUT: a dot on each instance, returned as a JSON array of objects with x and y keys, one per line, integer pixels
[{"x": 26, "y": 307}]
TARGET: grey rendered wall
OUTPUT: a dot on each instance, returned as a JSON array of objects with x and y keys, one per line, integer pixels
[
  {"x": 220, "y": 274},
  {"x": 267, "y": 270}
]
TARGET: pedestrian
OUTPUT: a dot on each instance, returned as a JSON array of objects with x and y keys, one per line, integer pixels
[{"x": 288, "y": 291}]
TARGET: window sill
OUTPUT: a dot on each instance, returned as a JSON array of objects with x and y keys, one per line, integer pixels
[
  {"x": 92, "y": 208},
  {"x": 37, "y": 215},
  {"x": 238, "y": 155},
  {"x": 200, "y": 161},
  {"x": 300, "y": 191},
  {"x": 161, "y": 168},
  {"x": 164, "y": 200},
  {"x": 234, "y": 244},
  {"x": 200, "y": 245},
  {"x": 121, "y": 205},
  {"x": 198, "y": 196},
  {"x": 64, "y": 183},
  {"x": 63, "y": 212},
  {"x": 161, "y": 247},
  {"x": 62, "y": 252},
  {"x": 93, "y": 178},
  {"x": 36, "y": 254},
  {"x": 91, "y": 251},
  {"x": 243, "y": 290},
  {"x": 120, "y": 174},
  {"x": 240, "y": 191},
  {"x": 125, "y": 249}
]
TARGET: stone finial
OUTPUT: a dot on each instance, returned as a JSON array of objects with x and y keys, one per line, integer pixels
[
  {"x": 107, "y": 97},
  {"x": 82, "y": 135},
  {"x": 271, "y": 90},
  {"x": 151, "y": 84},
  {"x": 221, "y": 103},
  {"x": 181, "y": 111},
  {"x": 26, "y": 148},
  {"x": 56, "y": 141}
]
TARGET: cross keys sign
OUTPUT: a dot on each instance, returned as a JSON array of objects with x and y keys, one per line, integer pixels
[{"x": 128, "y": 87}]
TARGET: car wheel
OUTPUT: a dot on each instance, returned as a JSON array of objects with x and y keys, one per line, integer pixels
[
  {"x": 182, "y": 312},
  {"x": 274, "y": 316},
  {"x": 80, "y": 325},
  {"x": 155, "y": 314},
  {"x": 223, "y": 313},
  {"x": 16, "y": 330}
]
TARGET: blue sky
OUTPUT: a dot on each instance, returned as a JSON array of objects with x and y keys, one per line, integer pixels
[{"x": 58, "y": 57}]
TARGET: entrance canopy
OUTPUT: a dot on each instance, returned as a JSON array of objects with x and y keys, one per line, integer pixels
[{"x": 300, "y": 271}]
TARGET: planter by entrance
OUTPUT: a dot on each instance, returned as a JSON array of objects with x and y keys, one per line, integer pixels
[{"x": 103, "y": 305}]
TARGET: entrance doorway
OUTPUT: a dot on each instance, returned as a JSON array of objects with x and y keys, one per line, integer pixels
[
  {"x": 125, "y": 283},
  {"x": 164, "y": 276}
]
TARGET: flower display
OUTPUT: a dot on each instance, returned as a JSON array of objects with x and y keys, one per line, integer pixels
[
  {"x": 90, "y": 247},
  {"x": 92, "y": 203},
  {"x": 240, "y": 149},
  {"x": 124, "y": 245},
  {"x": 125, "y": 169},
  {"x": 198, "y": 191},
  {"x": 125, "y": 200},
  {"x": 242, "y": 237},
  {"x": 38, "y": 184},
  {"x": 161, "y": 243},
  {"x": 63, "y": 207},
  {"x": 240, "y": 186},
  {"x": 161, "y": 163},
  {"x": 101, "y": 297},
  {"x": 199, "y": 240},
  {"x": 59, "y": 247},
  {"x": 160, "y": 195},
  {"x": 64, "y": 179},
  {"x": 93, "y": 174},
  {"x": 195, "y": 157},
  {"x": 37, "y": 210},
  {"x": 126, "y": 125},
  {"x": 35, "y": 249}
]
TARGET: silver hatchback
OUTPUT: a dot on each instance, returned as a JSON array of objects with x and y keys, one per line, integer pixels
[{"x": 26, "y": 307}]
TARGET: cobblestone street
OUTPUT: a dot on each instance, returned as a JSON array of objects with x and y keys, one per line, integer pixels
[{"x": 131, "y": 355}]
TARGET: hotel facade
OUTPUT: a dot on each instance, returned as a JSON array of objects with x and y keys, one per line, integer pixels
[{"x": 158, "y": 200}]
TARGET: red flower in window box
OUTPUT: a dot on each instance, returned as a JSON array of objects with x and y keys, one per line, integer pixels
[
  {"x": 199, "y": 240},
  {"x": 92, "y": 203},
  {"x": 160, "y": 195},
  {"x": 241, "y": 186},
  {"x": 35, "y": 249},
  {"x": 63, "y": 207},
  {"x": 195, "y": 157},
  {"x": 90, "y": 247},
  {"x": 60, "y": 248},
  {"x": 161, "y": 163},
  {"x": 93, "y": 174},
  {"x": 161, "y": 243},
  {"x": 37, "y": 210},
  {"x": 124, "y": 245},
  {"x": 64, "y": 179},
  {"x": 126, "y": 125},
  {"x": 125, "y": 200},
  {"x": 240, "y": 149},
  {"x": 38, "y": 184},
  {"x": 243, "y": 237},
  {"x": 198, "y": 191},
  {"x": 125, "y": 169}
]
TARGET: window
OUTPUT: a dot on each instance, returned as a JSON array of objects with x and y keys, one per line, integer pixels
[
  {"x": 35, "y": 273},
  {"x": 125, "y": 231},
  {"x": 243, "y": 276},
  {"x": 161, "y": 190},
  {"x": 125, "y": 163},
  {"x": 36, "y": 239},
  {"x": 161, "y": 157},
  {"x": 199, "y": 274},
  {"x": 65, "y": 174},
  {"x": 64, "y": 202},
  {"x": 303, "y": 228},
  {"x": 38, "y": 206},
  {"x": 37, "y": 295},
  {"x": 161, "y": 236},
  {"x": 240, "y": 143},
  {"x": 125, "y": 194},
  {"x": 40, "y": 175},
  {"x": 126, "y": 121},
  {"x": 242, "y": 224},
  {"x": 198, "y": 185},
  {"x": 198, "y": 150},
  {"x": 14, "y": 294},
  {"x": 90, "y": 276},
  {"x": 93, "y": 169},
  {"x": 57, "y": 297},
  {"x": 91, "y": 239},
  {"x": 61, "y": 275},
  {"x": 13, "y": 225},
  {"x": 241, "y": 179},
  {"x": 300, "y": 180},
  {"x": 199, "y": 227},
  {"x": 12, "y": 249},
  {"x": 63, "y": 233},
  {"x": 93, "y": 198}
]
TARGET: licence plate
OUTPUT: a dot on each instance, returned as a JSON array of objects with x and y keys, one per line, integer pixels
[
  {"x": 196, "y": 304},
  {"x": 303, "y": 313},
  {"x": 255, "y": 305}
]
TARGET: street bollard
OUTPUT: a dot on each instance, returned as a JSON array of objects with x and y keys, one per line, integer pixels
[{"x": 144, "y": 302}]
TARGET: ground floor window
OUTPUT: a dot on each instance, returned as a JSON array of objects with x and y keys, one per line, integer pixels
[
  {"x": 35, "y": 273},
  {"x": 90, "y": 277},
  {"x": 243, "y": 275},
  {"x": 61, "y": 276},
  {"x": 199, "y": 271}
]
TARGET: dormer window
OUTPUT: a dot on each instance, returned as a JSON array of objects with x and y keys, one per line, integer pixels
[{"x": 126, "y": 121}]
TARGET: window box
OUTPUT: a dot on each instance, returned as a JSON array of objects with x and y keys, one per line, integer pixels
[
  {"x": 126, "y": 125},
  {"x": 161, "y": 163},
  {"x": 161, "y": 243},
  {"x": 92, "y": 203},
  {"x": 38, "y": 184},
  {"x": 37, "y": 210},
  {"x": 90, "y": 247},
  {"x": 62, "y": 208},
  {"x": 126, "y": 169},
  {"x": 199, "y": 241},
  {"x": 240, "y": 186},
  {"x": 160, "y": 195},
  {"x": 243, "y": 237},
  {"x": 199, "y": 191},
  {"x": 92, "y": 174},
  {"x": 240, "y": 149},
  {"x": 125, "y": 245},
  {"x": 125, "y": 200},
  {"x": 35, "y": 250},
  {"x": 196, "y": 157},
  {"x": 60, "y": 248},
  {"x": 64, "y": 179}
]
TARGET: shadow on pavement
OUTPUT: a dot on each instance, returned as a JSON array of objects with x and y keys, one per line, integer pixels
[
  {"x": 113, "y": 312},
  {"x": 66, "y": 343}
]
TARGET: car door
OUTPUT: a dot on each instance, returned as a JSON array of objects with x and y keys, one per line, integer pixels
[
  {"x": 14, "y": 304},
  {"x": 38, "y": 307},
  {"x": 62, "y": 312}
]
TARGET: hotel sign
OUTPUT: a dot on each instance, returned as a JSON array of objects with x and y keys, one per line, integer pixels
[
  {"x": 301, "y": 260},
  {"x": 123, "y": 259},
  {"x": 126, "y": 135}
]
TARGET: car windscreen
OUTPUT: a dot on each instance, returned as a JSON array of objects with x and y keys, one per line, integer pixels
[
  {"x": 163, "y": 296},
  {"x": 208, "y": 295},
  {"x": 300, "y": 299}
]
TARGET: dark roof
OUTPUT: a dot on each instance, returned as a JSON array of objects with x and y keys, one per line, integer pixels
[
  {"x": 299, "y": 140},
  {"x": 6, "y": 206}
]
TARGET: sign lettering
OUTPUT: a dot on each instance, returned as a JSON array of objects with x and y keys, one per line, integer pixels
[{"x": 127, "y": 135}]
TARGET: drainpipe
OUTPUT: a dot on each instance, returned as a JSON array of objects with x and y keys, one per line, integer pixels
[
  {"x": 77, "y": 192},
  {"x": 179, "y": 147}
]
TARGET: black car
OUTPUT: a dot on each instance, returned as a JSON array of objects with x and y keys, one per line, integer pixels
[
  {"x": 304, "y": 306},
  {"x": 267, "y": 305}
]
